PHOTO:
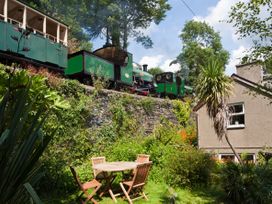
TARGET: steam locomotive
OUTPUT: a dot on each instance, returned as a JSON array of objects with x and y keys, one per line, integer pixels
[{"x": 28, "y": 35}]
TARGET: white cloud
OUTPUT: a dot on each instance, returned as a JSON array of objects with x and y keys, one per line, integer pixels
[
  {"x": 166, "y": 66},
  {"x": 160, "y": 61},
  {"x": 217, "y": 18},
  {"x": 235, "y": 59},
  {"x": 152, "y": 61}
]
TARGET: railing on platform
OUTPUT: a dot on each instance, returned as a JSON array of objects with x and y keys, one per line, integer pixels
[
  {"x": 35, "y": 31},
  {"x": 15, "y": 22},
  {"x": 2, "y": 17}
]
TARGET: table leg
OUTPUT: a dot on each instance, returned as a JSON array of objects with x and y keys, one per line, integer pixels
[
  {"x": 112, "y": 196},
  {"x": 109, "y": 178}
]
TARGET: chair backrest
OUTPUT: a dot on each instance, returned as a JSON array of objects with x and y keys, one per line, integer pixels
[
  {"x": 97, "y": 160},
  {"x": 141, "y": 174},
  {"x": 75, "y": 176},
  {"x": 142, "y": 158}
]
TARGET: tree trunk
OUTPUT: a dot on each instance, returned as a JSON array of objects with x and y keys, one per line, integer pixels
[
  {"x": 233, "y": 149},
  {"x": 125, "y": 37}
]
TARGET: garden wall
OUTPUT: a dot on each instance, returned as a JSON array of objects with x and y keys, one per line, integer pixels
[{"x": 147, "y": 111}]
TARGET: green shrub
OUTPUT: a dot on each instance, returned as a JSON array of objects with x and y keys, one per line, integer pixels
[
  {"x": 125, "y": 149},
  {"x": 148, "y": 105},
  {"x": 123, "y": 121},
  {"x": 183, "y": 112},
  {"x": 73, "y": 142},
  {"x": 189, "y": 167},
  {"x": 247, "y": 183}
]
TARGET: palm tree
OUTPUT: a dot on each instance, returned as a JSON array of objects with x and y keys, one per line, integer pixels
[{"x": 213, "y": 88}]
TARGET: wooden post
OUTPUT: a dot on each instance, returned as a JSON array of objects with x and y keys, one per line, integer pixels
[
  {"x": 44, "y": 26},
  {"x": 58, "y": 33},
  {"x": 6, "y": 10},
  {"x": 24, "y": 18},
  {"x": 66, "y": 37}
]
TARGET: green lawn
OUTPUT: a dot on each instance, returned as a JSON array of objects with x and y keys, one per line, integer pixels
[{"x": 157, "y": 193}]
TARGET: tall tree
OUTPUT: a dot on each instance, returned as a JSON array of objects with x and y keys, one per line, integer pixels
[
  {"x": 121, "y": 19},
  {"x": 155, "y": 70},
  {"x": 200, "y": 44},
  {"x": 213, "y": 88},
  {"x": 253, "y": 19}
]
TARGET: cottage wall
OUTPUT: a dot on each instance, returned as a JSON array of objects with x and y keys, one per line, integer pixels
[{"x": 257, "y": 132}]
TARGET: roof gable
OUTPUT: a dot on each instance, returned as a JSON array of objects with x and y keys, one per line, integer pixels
[{"x": 244, "y": 82}]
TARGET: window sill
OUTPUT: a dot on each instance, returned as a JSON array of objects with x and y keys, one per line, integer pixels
[{"x": 236, "y": 127}]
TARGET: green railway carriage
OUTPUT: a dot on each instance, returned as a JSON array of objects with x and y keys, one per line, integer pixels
[
  {"x": 27, "y": 34},
  {"x": 171, "y": 85},
  {"x": 84, "y": 64},
  {"x": 109, "y": 63}
]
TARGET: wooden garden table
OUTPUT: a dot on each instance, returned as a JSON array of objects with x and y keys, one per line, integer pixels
[{"x": 111, "y": 168}]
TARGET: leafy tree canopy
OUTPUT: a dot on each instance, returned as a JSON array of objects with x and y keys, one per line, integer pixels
[
  {"x": 155, "y": 70},
  {"x": 253, "y": 19},
  {"x": 200, "y": 44},
  {"x": 121, "y": 19}
]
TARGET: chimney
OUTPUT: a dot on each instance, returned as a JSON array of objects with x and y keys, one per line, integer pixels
[
  {"x": 145, "y": 67},
  {"x": 251, "y": 71}
]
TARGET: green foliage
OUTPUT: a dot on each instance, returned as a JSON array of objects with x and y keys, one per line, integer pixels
[
  {"x": 189, "y": 167},
  {"x": 247, "y": 183},
  {"x": 200, "y": 44},
  {"x": 123, "y": 121},
  {"x": 24, "y": 107},
  {"x": 183, "y": 112},
  {"x": 155, "y": 70},
  {"x": 148, "y": 105},
  {"x": 166, "y": 132},
  {"x": 125, "y": 149},
  {"x": 174, "y": 162},
  {"x": 213, "y": 87},
  {"x": 70, "y": 88},
  {"x": 252, "y": 19},
  {"x": 73, "y": 142}
]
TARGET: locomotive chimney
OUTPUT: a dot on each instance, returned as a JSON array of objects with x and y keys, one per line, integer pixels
[{"x": 145, "y": 67}]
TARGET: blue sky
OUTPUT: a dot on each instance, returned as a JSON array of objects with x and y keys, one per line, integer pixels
[{"x": 167, "y": 44}]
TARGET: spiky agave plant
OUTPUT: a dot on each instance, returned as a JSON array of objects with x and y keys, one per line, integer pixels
[
  {"x": 213, "y": 89},
  {"x": 22, "y": 141}
]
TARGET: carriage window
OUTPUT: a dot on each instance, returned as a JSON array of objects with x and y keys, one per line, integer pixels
[{"x": 237, "y": 115}]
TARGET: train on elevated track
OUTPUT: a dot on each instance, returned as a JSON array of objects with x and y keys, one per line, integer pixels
[{"x": 29, "y": 36}]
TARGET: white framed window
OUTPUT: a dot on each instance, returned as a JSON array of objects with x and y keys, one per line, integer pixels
[
  {"x": 226, "y": 157},
  {"x": 237, "y": 115}
]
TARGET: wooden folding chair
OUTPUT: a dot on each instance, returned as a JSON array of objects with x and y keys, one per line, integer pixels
[
  {"x": 141, "y": 158},
  {"x": 98, "y": 160},
  {"x": 93, "y": 184},
  {"x": 136, "y": 185}
]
